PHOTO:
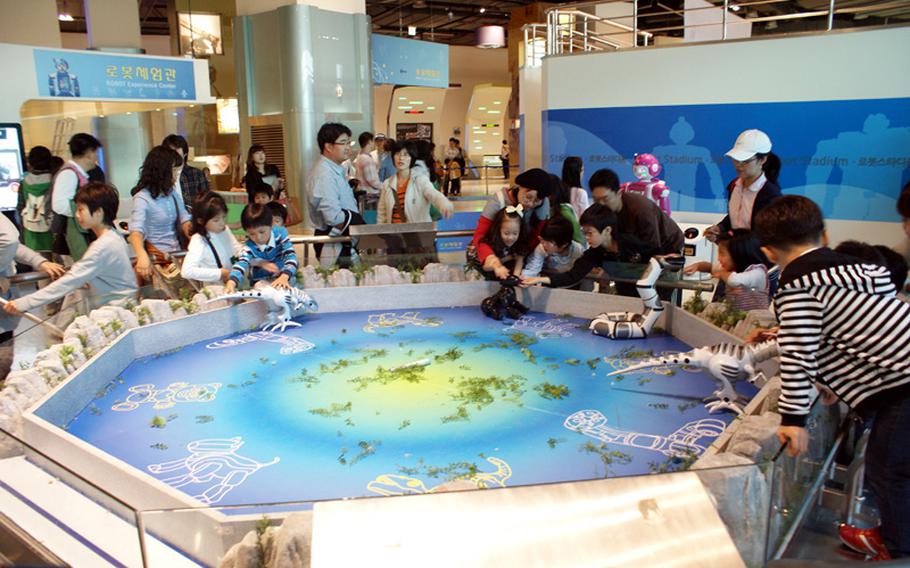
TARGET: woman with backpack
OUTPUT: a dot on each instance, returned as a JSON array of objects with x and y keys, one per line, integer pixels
[{"x": 35, "y": 199}]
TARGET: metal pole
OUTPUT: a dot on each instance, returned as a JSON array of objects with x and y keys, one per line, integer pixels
[
  {"x": 635, "y": 23},
  {"x": 830, "y": 15},
  {"x": 32, "y": 317},
  {"x": 726, "y": 8},
  {"x": 586, "y": 35}
]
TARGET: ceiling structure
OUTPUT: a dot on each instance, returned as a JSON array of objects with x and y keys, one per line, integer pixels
[{"x": 454, "y": 22}]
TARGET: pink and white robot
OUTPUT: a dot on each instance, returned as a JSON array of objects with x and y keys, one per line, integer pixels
[{"x": 646, "y": 167}]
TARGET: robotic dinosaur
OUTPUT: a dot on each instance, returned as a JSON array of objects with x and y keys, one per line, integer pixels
[
  {"x": 504, "y": 302},
  {"x": 726, "y": 362},
  {"x": 627, "y": 325},
  {"x": 281, "y": 304}
]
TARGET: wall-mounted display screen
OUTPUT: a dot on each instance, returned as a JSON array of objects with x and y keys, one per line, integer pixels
[
  {"x": 414, "y": 131},
  {"x": 12, "y": 164},
  {"x": 200, "y": 34}
]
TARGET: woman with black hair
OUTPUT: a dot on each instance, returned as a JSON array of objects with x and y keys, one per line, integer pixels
[
  {"x": 573, "y": 170},
  {"x": 35, "y": 199},
  {"x": 259, "y": 171},
  {"x": 560, "y": 205},
  {"x": 406, "y": 197},
  {"x": 755, "y": 186},
  {"x": 159, "y": 215}
]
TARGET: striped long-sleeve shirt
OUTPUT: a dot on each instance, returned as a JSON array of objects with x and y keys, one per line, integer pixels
[
  {"x": 279, "y": 250},
  {"x": 841, "y": 325}
]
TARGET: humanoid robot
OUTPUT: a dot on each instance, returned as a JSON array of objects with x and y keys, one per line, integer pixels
[
  {"x": 646, "y": 168},
  {"x": 61, "y": 82},
  {"x": 627, "y": 325}
]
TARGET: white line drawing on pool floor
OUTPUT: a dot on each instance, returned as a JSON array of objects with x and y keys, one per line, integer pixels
[
  {"x": 291, "y": 345},
  {"x": 167, "y": 396},
  {"x": 393, "y": 484},
  {"x": 390, "y": 320},
  {"x": 681, "y": 443},
  {"x": 542, "y": 328},
  {"x": 214, "y": 464}
]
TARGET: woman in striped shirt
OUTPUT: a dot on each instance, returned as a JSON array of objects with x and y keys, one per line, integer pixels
[{"x": 406, "y": 196}]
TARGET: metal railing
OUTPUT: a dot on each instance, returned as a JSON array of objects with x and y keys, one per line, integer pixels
[{"x": 576, "y": 28}]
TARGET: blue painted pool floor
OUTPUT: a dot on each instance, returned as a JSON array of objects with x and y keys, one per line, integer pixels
[{"x": 384, "y": 403}]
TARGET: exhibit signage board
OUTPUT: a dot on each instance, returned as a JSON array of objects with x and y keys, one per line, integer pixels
[
  {"x": 854, "y": 167},
  {"x": 400, "y": 61},
  {"x": 72, "y": 74}
]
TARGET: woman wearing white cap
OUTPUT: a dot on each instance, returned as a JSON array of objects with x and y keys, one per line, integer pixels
[{"x": 755, "y": 186}]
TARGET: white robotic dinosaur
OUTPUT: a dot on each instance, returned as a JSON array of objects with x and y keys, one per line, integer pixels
[
  {"x": 627, "y": 325},
  {"x": 726, "y": 362},
  {"x": 281, "y": 304}
]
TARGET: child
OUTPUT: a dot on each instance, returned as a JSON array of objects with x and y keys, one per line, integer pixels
[
  {"x": 262, "y": 193},
  {"x": 208, "y": 257},
  {"x": 742, "y": 267},
  {"x": 279, "y": 213},
  {"x": 508, "y": 237},
  {"x": 106, "y": 264},
  {"x": 599, "y": 225},
  {"x": 895, "y": 264},
  {"x": 265, "y": 243},
  {"x": 557, "y": 251},
  {"x": 453, "y": 171},
  {"x": 841, "y": 327}
]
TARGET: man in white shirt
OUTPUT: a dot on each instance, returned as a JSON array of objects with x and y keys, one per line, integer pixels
[
  {"x": 379, "y": 148},
  {"x": 367, "y": 168},
  {"x": 73, "y": 175}
]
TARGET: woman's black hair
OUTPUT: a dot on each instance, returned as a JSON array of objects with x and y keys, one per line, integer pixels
[
  {"x": 409, "y": 147},
  {"x": 157, "y": 173},
  {"x": 771, "y": 167},
  {"x": 206, "y": 207},
  {"x": 744, "y": 249},
  {"x": 40, "y": 160},
  {"x": 559, "y": 195},
  {"x": 249, "y": 155},
  {"x": 903, "y": 202},
  {"x": 571, "y": 171},
  {"x": 425, "y": 153},
  {"x": 522, "y": 246}
]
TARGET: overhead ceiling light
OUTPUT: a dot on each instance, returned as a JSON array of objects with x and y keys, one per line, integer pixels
[
  {"x": 481, "y": 108},
  {"x": 483, "y": 10},
  {"x": 100, "y": 116},
  {"x": 402, "y": 98},
  {"x": 405, "y": 108},
  {"x": 431, "y": 108},
  {"x": 491, "y": 37},
  {"x": 492, "y": 112},
  {"x": 412, "y": 30},
  {"x": 65, "y": 17},
  {"x": 415, "y": 103},
  {"x": 497, "y": 102},
  {"x": 734, "y": 7},
  {"x": 451, "y": 15}
]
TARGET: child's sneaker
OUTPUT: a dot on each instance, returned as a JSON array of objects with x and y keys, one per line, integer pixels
[{"x": 865, "y": 541}]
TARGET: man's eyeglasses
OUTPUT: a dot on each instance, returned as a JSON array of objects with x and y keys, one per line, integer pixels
[{"x": 344, "y": 143}]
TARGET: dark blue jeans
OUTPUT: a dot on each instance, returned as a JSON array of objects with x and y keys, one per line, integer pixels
[{"x": 888, "y": 473}]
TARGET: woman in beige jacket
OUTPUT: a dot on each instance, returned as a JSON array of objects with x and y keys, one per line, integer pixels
[{"x": 406, "y": 196}]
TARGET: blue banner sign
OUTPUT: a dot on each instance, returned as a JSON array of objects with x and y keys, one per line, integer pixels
[
  {"x": 106, "y": 76},
  {"x": 850, "y": 157},
  {"x": 400, "y": 61}
]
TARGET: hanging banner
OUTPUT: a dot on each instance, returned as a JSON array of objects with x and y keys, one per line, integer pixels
[
  {"x": 73, "y": 74},
  {"x": 400, "y": 61}
]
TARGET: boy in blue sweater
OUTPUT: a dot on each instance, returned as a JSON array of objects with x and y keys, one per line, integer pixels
[{"x": 267, "y": 251}]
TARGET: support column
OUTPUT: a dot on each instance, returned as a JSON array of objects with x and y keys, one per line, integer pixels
[
  {"x": 32, "y": 23},
  {"x": 112, "y": 24}
]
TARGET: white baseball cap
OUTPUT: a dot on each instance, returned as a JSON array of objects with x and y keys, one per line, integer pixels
[{"x": 748, "y": 144}]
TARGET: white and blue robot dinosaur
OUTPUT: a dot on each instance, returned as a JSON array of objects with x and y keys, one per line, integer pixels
[
  {"x": 726, "y": 362},
  {"x": 281, "y": 304}
]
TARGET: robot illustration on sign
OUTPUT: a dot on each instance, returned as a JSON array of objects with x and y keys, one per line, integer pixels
[
  {"x": 646, "y": 168},
  {"x": 61, "y": 82}
]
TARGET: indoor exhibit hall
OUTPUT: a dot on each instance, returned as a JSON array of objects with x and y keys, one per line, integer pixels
[{"x": 466, "y": 283}]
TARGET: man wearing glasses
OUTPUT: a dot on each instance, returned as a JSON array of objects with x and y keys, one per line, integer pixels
[{"x": 333, "y": 208}]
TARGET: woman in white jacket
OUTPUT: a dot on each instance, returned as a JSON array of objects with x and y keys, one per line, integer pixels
[{"x": 406, "y": 196}]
